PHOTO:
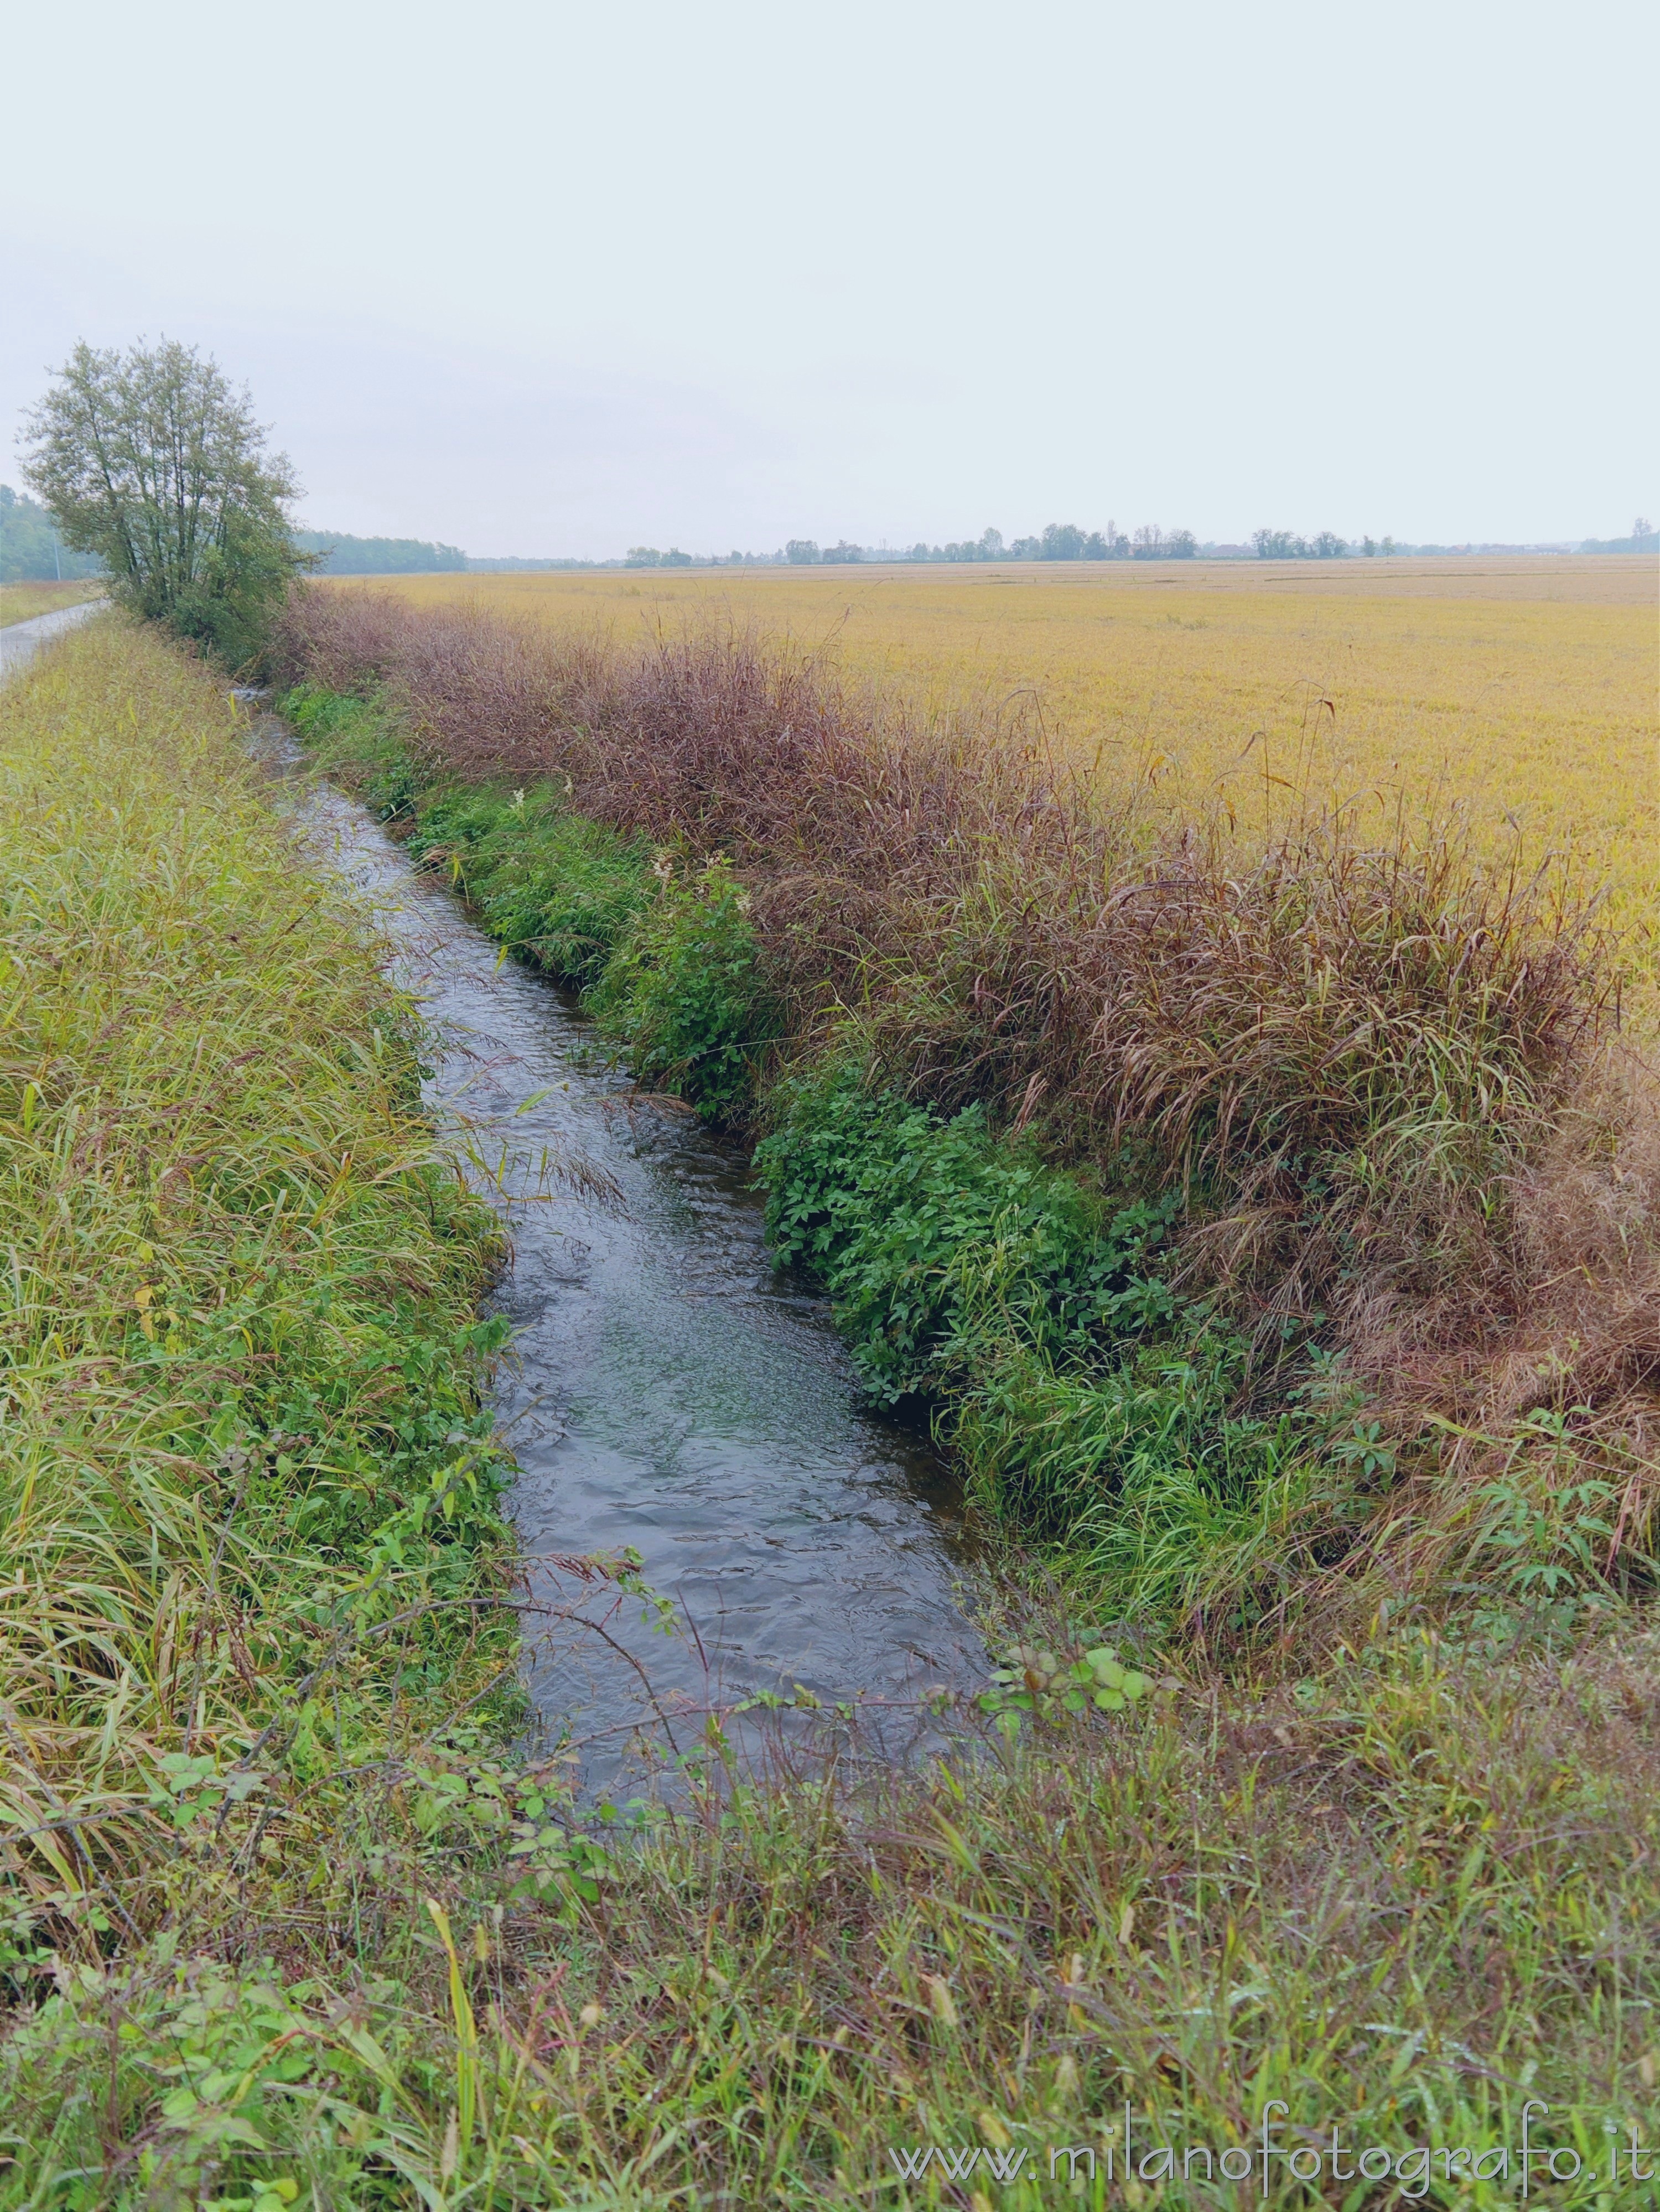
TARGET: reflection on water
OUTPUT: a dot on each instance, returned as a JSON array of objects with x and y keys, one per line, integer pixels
[{"x": 668, "y": 1393}]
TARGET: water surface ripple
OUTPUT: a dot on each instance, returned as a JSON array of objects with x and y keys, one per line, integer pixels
[{"x": 667, "y": 1391}]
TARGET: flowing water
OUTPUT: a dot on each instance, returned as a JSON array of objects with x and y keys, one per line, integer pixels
[{"x": 667, "y": 1392}]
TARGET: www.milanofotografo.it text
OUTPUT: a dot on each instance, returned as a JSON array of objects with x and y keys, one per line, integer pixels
[{"x": 1278, "y": 2154}]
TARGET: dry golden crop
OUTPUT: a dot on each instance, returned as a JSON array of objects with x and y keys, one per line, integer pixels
[{"x": 1524, "y": 687}]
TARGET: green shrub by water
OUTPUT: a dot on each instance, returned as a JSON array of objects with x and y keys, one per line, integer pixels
[
  {"x": 933, "y": 1237},
  {"x": 1086, "y": 1398},
  {"x": 664, "y": 953},
  {"x": 359, "y": 738},
  {"x": 684, "y": 993},
  {"x": 554, "y": 888}
]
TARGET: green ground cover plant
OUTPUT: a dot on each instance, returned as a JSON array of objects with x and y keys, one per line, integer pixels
[
  {"x": 663, "y": 951},
  {"x": 1092, "y": 1401},
  {"x": 554, "y": 888},
  {"x": 684, "y": 994}
]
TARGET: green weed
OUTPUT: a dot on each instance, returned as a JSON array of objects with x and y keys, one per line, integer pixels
[
  {"x": 664, "y": 955},
  {"x": 685, "y": 995},
  {"x": 554, "y": 888},
  {"x": 1086, "y": 1397}
]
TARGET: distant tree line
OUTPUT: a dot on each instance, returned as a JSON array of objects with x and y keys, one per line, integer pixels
[
  {"x": 1060, "y": 541},
  {"x": 1066, "y": 541},
  {"x": 1286, "y": 545},
  {"x": 514, "y": 564},
  {"x": 1645, "y": 538},
  {"x": 338, "y": 554},
  {"x": 648, "y": 556},
  {"x": 32, "y": 549}
]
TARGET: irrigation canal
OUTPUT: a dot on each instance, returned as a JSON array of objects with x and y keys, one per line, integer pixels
[{"x": 666, "y": 1392}]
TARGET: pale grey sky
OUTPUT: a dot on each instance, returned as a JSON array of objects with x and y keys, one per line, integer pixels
[{"x": 552, "y": 278}]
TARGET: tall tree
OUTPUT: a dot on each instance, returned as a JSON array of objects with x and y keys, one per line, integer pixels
[{"x": 151, "y": 460}]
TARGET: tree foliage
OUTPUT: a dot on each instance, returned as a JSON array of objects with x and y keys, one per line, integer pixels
[
  {"x": 339, "y": 554},
  {"x": 1286, "y": 545},
  {"x": 152, "y": 460}
]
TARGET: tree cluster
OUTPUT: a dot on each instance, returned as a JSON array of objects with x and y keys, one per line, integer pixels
[
  {"x": 1643, "y": 539},
  {"x": 1060, "y": 541},
  {"x": 338, "y": 554},
  {"x": 152, "y": 463},
  {"x": 1286, "y": 545}
]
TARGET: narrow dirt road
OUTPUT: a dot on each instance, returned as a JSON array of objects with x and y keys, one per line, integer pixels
[{"x": 20, "y": 642}]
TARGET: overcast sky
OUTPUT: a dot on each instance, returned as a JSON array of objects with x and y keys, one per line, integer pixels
[{"x": 554, "y": 278}]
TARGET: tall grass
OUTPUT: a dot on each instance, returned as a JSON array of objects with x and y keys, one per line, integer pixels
[
  {"x": 1366, "y": 1066},
  {"x": 1404, "y": 1900},
  {"x": 245, "y": 1488}
]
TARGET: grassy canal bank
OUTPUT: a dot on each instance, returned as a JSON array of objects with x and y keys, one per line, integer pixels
[
  {"x": 1028, "y": 1305},
  {"x": 1269, "y": 1229},
  {"x": 286, "y": 1923}
]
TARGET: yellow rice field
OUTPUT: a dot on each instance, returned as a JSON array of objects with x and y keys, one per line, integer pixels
[{"x": 1526, "y": 687}]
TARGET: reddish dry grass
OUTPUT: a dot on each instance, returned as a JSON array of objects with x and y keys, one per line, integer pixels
[{"x": 1380, "y": 1071}]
